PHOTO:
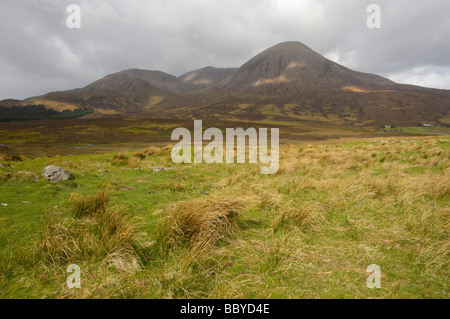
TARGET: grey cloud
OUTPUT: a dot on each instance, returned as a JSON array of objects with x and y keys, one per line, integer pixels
[{"x": 40, "y": 54}]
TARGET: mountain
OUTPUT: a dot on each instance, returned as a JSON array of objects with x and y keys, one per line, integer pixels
[
  {"x": 287, "y": 82},
  {"x": 133, "y": 78},
  {"x": 207, "y": 76},
  {"x": 292, "y": 67},
  {"x": 128, "y": 92}
]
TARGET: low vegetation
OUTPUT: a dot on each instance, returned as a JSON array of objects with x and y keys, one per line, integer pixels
[
  {"x": 96, "y": 233},
  {"x": 226, "y": 231},
  {"x": 38, "y": 112}
]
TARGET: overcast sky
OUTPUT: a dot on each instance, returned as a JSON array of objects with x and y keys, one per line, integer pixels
[{"x": 39, "y": 53}]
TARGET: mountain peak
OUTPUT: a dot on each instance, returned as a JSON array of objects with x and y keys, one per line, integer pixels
[
  {"x": 292, "y": 66},
  {"x": 287, "y": 81},
  {"x": 291, "y": 51},
  {"x": 288, "y": 45},
  {"x": 144, "y": 78}
]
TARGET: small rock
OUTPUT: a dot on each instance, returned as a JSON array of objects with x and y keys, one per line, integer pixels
[
  {"x": 56, "y": 174},
  {"x": 4, "y": 204}
]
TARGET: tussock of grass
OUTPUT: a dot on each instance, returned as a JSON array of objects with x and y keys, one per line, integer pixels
[
  {"x": 13, "y": 158},
  {"x": 309, "y": 231},
  {"x": 302, "y": 218},
  {"x": 91, "y": 205},
  {"x": 178, "y": 185},
  {"x": 152, "y": 156},
  {"x": 120, "y": 159},
  {"x": 151, "y": 151},
  {"x": 200, "y": 222},
  {"x": 441, "y": 187},
  {"x": 96, "y": 234}
]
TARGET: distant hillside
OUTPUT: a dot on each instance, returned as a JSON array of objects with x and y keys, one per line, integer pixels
[
  {"x": 207, "y": 76},
  {"x": 291, "y": 67},
  {"x": 38, "y": 112},
  {"x": 287, "y": 82},
  {"x": 135, "y": 79}
]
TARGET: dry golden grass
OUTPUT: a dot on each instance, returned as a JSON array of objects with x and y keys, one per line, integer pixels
[
  {"x": 373, "y": 189},
  {"x": 96, "y": 233},
  {"x": 309, "y": 231},
  {"x": 91, "y": 205},
  {"x": 199, "y": 223},
  {"x": 152, "y": 156},
  {"x": 55, "y": 105},
  {"x": 312, "y": 229},
  {"x": 14, "y": 157},
  {"x": 152, "y": 151},
  {"x": 105, "y": 111},
  {"x": 303, "y": 218},
  {"x": 120, "y": 159}
]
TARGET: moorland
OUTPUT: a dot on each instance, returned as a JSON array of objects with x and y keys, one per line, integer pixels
[{"x": 343, "y": 199}]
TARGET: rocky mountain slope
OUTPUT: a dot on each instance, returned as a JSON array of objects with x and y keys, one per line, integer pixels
[{"x": 288, "y": 81}]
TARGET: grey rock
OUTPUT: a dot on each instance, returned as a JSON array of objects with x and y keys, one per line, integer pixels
[{"x": 56, "y": 174}]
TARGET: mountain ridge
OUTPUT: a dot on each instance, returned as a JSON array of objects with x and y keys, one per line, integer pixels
[
  {"x": 207, "y": 76},
  {"x": 294, "y": 61},
  {"x": 287, "y": 81}
]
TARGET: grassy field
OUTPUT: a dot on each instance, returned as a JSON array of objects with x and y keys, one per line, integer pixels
[
  {"x": 106, "y": 135},
  {"x": 226, "y": 231}
]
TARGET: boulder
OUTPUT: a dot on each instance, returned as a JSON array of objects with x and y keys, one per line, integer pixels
[{"x": 56, "y": 174}]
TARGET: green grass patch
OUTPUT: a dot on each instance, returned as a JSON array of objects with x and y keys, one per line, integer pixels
[{"x": 226, "y": 231}]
